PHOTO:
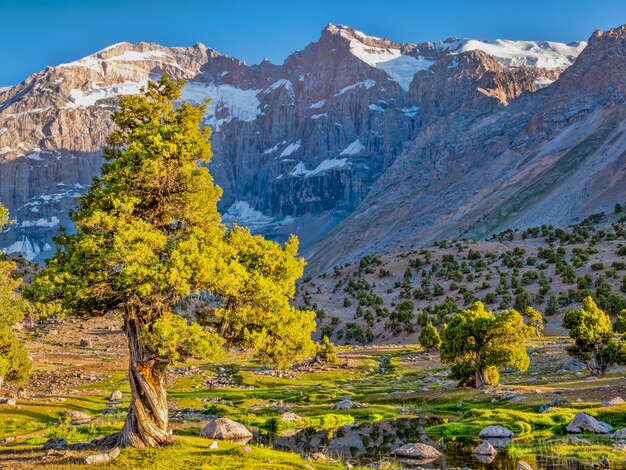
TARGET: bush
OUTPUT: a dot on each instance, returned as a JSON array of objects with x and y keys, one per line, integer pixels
[{"x": 429, "y": 337}]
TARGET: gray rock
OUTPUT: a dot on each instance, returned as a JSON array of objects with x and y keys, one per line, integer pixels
[
  {"x": 55, "y": 443},
  {"x": 345, "y": 404},
  {"x": 617, "y": 401},
  {"x": 290, "y": 418},
  {"x": 601, "y": 464},
  {"x": 225, "y": 429},
  {"x": 496, "y": 432},
  {"x": 102, "y": 458},
  {"x": 417, "y": 451},
  {"x": 484, "y": 448},
  {"x": 521, "y": 465},
  {"x": 78, "y": 418},
  {"x": 620, "y": 434},
  {"x": 574, "y": 365},
  {"x": 116, "y": 395},
  {"x": 582, "y": 422}
]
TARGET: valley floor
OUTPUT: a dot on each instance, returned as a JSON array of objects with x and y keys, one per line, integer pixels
[{"x": 403, "y": 391}]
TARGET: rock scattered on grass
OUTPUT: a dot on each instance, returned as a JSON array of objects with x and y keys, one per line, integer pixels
[
  {"x": 225, "y": 429},
  {"x": 496, "y": 432},
  {"x": 116, "y": 395},
  {"x": 582, "y": 422},
  {"x": 102, "y": 458},
  {"x": 78, "y": 418},
  {"x": 484, "y": 448},
  {"x": 617, "y": 401}
]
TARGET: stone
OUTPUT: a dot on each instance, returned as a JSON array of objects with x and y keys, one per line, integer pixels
[
  {"x": 620, "y": 434},
  {"x": 318, "y": 456},
  {"x": 617, "y": 401},
  {"x": 345, "y": 404},
  {"x": 582, "y": 422},
  {"x": 55, "y": 443},
  {"x": 213, "y": 445},
  {"x": 484, "y": 448},
  {"x": 290, "y": 418},
  {"x": 577, "y": 440},
  {"x": 246, "y": 449},
  {"x": 521, "y": 465},
  {"x": 102, "y": 458},
  {"x": 496, "y": 432},
  {"x": 225, "y": 429},
  {"x": 620, "y": 446},
  {"x": 601, "y": 464},
  {"x": 11, "y": 401},
  {"x": 85, "y": 343},
  {"x": 78, "y": 418},
  {"x": 116, "y": 395},
  {"x": 574, "y": 365},
  {"x": 417, "y": 451}
]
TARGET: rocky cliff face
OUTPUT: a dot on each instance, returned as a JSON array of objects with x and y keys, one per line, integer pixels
[
  {"x": 298, "y": 147},
  {"x": 553, "y": 157}
]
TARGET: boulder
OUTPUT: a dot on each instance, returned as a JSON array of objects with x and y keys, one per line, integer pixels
[
  {"x": 496, "y": 432},
  {"x": 225, "y": 429},
  {"x": 614, "y": 402},
  {"x": 484, "y": 448},
  {"x": 55, "y": 443},
  {"x": 582, "y": 422},
  {"x": 102, "y": 458},
  {"x": 417, "y": 451},
  {"x": 574, "y": 365},
  {"x": 213, "y": 445},
  {"x": 85, "y": 343},
  {"x": 601, "y": 464},
  {"x": 290, "y": 418},
  {"x": 521, "y": 465},
  {"x": 78, "y": 417},
  {"x": 620, "y": 433},
  {"x": 345, "y": 404},
  {"x": 116, "y": 395}
]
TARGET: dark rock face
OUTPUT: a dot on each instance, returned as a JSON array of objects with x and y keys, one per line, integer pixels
[{"x": 353, "y": 135}]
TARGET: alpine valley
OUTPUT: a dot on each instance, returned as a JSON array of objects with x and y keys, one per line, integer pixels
[{"x": 359, "y": 145}]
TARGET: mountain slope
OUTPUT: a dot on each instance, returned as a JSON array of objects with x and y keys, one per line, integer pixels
[{"x": 298, "y": 147}]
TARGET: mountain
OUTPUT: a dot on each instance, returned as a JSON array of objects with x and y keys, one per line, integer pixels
[{"x": 355, "y": 143}]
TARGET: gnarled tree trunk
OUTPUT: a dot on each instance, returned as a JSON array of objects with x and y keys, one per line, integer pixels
[
  {"x": 482, "y": 378},
  {"x": 147, "y": 421}
]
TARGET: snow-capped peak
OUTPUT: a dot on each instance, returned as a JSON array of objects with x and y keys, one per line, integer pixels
[{"x": 545, "y": 54}]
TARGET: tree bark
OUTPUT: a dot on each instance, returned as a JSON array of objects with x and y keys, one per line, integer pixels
[
  {"x": 147, "y": 421},
  {"x": 482, "y": 378}
]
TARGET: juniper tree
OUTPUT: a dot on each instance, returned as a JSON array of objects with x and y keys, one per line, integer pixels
[
  {"x": 148, "y": 234},
  {"x": 429, "y": 337},
  {"x": 14, "y": 361},
  {"x": 594, "y": 337},
  {"x": 476, "y": 343}
]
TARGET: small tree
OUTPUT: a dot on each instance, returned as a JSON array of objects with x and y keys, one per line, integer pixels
[
  {"x": 552, "y": 308},
  {"x": 14, "y": 361},
  {"x": 476, "y": 343},
  {"x": 534, "y": 319},
  {"x": 149, "y": 234},
  {"x": 593, "y": 336},
  {"x": 429, "y": 337},
  {"x": 327, "y": 352}
]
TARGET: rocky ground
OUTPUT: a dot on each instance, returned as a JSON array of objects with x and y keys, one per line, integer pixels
[{"x": 78, "y": 365}]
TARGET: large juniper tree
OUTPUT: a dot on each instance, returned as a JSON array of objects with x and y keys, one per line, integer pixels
[
  {"x": 149, "y": 235},
  {"x": 477, "y": 342}
]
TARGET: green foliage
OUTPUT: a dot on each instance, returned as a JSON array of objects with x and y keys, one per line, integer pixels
[
  {"x": 534, "y": 319},
  {"x": 327, "y": 352},
  {"x": 149, "y": 234},
  {"x": 429, "y": 337},
  {"x": 593, "y": 336},
  {"x": 14, "y": 361},
  {"x": 476, "y": 343}
]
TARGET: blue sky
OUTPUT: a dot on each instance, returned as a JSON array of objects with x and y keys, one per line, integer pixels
[{"x": 36, "y": 33}]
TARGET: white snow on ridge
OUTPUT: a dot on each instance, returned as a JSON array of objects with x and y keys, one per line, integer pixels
[
  {"x": 367, "y": 84},
  {"x": 400, "y": 67},
  {"x": 375, "y": 107},
  {"x": 291, "y": 148},
  {"x": 241, "y": 104},
  {"x": 318, "y": 104},
  {"x": 53, "y": 222},
  {"x": 544, "y": 54},
  {"x": 354, "y": 148},
  {"x": 81, "y": 99},
  {"x": 300, "y": 169},
  {"x": 242, "y": 213},
  {"x": 283, "y": 82},
  {"x": 27, "y": 248}
]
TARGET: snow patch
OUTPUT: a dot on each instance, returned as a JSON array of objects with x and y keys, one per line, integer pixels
[
  {"x": 83, "y": 99},
  {"x": 242, "y": 213},
  {"x": 291, "y": 148},
  {"x": 53, "y": 222},
  {"x": 400, "y": 67},
  {"x": 317, "y": 116},
  {"x": 283, "y": 82},
  {"x": 375, "y": 107},
  {"x": 544, "y": 54},
  {"x": 318, "y": 104},
  {"x": 234, "y": 102},
  {"x": 354, "y": 148},
  {"x": 367, "y": 84},
  {"x": 410, "y": 112},
  {"x": 300, "y": 169}
]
